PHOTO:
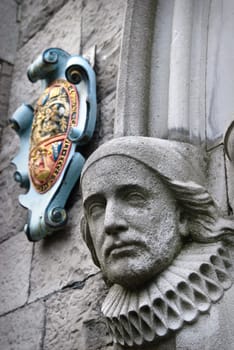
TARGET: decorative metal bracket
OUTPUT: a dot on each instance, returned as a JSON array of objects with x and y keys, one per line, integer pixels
[{"x": 48, "y": 163}]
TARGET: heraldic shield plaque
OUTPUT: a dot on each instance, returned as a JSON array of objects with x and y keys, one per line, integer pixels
[
  {"x": 55, "y": 113},
  {"x": 63, "y": 118}
]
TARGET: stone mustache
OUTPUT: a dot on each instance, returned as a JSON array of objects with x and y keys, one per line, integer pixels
[{"x": 156, "y": 234}]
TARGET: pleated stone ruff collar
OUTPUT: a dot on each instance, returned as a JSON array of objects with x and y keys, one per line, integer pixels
[{"x": 197, "y": 278}]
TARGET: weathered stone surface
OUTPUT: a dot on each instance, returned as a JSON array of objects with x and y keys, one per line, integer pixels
[
  {"x": 107, "y": 60},
  {"x": 6, "y": 69},
  {"x": 73, "y": 316},
  {"x": 23, "y": 328},
  {"x": 168, "y": 344},
  {"x": 35, "y": 14},
  {"x": 230, "y": 184},
  {"x": 9, "y": 144},
  {"x": 105, "y": 120},
  {"x": 106, "y": 69},
  {"x": 5, "y": 85},
  {"x": 74, "y": 321},
  {"x": 67, "y": 257},
  {"x": 95, "y": 334},
  {"x": 8, "y": 30},
  {"x": 149, "y": 223},
  {"x": 219, "y": 72},
  {"x": 134, "y": 72},
  {"x": 12, "y": 216},
  {"x": 213, "y": 331},
  {"x": 216, "y": 179},
  {"x": 101, "y": 20},
  {"x": 5, "y": 76},
  {"x": 62, "y": 31},
  {"x": 101, "y": 26},
  {"x": 61, "y": 259},
  {"x": 15, "y": 262}
]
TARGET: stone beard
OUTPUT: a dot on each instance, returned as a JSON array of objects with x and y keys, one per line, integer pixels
[{"x": 155, "y": 232}]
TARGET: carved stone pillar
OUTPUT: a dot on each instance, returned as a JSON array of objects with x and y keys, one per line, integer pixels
[{"x": 176, "y": 73}]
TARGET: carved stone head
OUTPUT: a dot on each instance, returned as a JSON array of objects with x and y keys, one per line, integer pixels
[
  {"x": 146, "y": 213},
  {"x": 142, "y": 198},
  {"x": 133, "y": 220}
]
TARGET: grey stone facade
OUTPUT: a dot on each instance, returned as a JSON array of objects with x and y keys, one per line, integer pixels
[{"x": 50, "y": 292}]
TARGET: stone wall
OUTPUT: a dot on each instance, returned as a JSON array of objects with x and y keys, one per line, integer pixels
[
  {"x": 8, "y": 43},
  {"x": 50, "y": 291}
]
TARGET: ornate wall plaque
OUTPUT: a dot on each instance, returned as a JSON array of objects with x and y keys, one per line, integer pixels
[{"x": 63, "y": 118}]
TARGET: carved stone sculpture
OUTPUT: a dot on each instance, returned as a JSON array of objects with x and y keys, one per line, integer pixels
[{"x": 157, "y": 235}]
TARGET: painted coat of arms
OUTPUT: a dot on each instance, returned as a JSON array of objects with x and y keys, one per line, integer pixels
[
  {"x": 49, "y": 163},
  {"x": 55, "y": 113}
]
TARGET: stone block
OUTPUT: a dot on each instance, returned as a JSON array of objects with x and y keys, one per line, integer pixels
[
  {"x": 216, "y": 178},
  {"x": 9, "y": 147},
  {"x": 101, "y": 20},
  {"x": 8, "y": 30},
  {"x": 23, "y": 328},
  {"x": 35, "y": 15},
  {"x": 207, "y": 333},
  {"x": 105, "y": 124},
  {"x": 74, "y": 320},
  {"x": 62, "y": 31},
  {"x": 15, "y": 219},
  {"x": 5, "y": 84},
  {"x": 61, "y": 259},
  {"x": 106, "y": 66},
  {"x": 12, "y": 216},
  {"x": 15, "y": 262},
  {"x": 102, "y": 23},
  {"x": 3, "y": 114},
  {"x": 7, "y": 69}
]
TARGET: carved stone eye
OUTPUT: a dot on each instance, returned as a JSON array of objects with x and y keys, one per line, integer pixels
[
  {"x": 135, "y": 198},
  {"x": 96, "y": 209}
]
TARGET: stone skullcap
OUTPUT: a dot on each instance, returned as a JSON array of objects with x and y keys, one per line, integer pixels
[{"x": 174, "y": 160}]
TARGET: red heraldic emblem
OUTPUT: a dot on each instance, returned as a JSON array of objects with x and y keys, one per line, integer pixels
[{"x": 55, "y": 113}]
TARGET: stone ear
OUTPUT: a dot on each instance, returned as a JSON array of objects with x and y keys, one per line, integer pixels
[
  {"x": 182, "y": 222},
  {"x": 84, "y": 227}
]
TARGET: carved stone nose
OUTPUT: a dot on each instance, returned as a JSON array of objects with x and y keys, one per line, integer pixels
[{"x": 114, "y": 221}]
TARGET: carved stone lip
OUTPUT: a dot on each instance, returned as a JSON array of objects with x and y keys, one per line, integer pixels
[{"x": 120, "y": 248}]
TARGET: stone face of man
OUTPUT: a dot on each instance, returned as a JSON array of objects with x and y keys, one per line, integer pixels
[{"x": 133, "y": 220}]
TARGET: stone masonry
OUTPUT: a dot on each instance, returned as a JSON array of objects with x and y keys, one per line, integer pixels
[{"x": 50, "y": 291}]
